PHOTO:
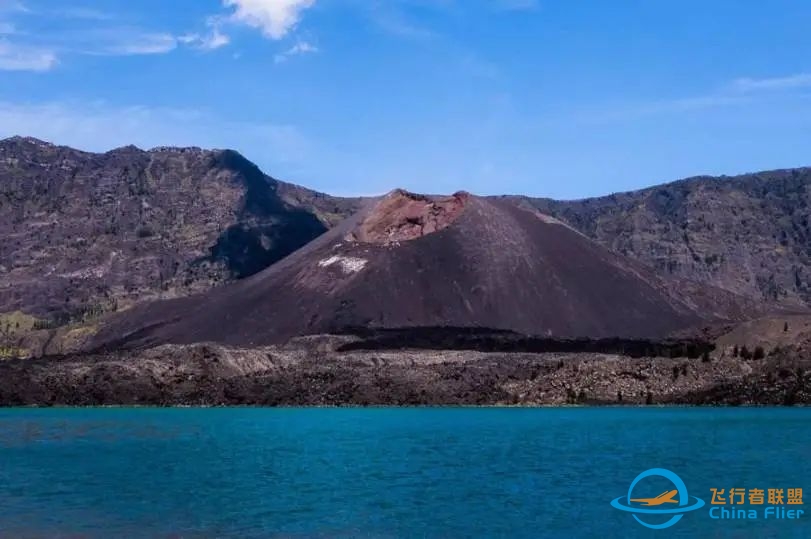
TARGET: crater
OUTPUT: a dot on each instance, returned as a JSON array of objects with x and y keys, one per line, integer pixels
[{"x": 403, "y": 216}]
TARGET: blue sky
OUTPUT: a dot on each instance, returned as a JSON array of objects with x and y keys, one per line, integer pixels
[{"x": 560, "y": 98}]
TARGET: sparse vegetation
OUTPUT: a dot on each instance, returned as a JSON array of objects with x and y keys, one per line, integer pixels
[{"x": 81, "y": 315}]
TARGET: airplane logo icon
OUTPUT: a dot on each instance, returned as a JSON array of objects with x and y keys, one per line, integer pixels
[
  {"x": 672, "y": 502},
  {"x": 664, "y": 497}
]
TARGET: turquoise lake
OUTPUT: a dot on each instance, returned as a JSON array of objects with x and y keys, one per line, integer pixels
[{"x": 387, "y": 472}]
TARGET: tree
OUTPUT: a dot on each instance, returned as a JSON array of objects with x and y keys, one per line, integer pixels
[
  {"x": 785, "y": 327},
  {"x": 745, "y": 353},
  {"x": 735, "y": 351},
  {"x": 705, "y": 357},
  {"x": 649, "y": 398},
  {"x": 759, "y": 353}
]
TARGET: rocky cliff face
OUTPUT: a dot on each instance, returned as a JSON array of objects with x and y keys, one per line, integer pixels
[
  {"x": 748, "y": 234},
  {"x": 88, "y": 233},
  {"x": 319, "y": 371}
]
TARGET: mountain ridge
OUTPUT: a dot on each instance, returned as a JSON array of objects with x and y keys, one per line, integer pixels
[
  {"x": 749, "y": 234},
  {"x": 104, "y": 230},
  {"x": 186, "y": 219}
]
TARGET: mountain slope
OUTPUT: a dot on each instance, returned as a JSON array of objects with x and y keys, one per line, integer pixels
[
  {"x": 408, "y": 260},
  {"x": 749, "y": 234},
  {"x": 90, "y": 233}
]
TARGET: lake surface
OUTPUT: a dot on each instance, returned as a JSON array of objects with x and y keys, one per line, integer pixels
[{"x": 386, "y": 472}]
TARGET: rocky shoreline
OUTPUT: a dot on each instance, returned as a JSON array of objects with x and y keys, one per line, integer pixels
[{"x": 314, "y": 371}]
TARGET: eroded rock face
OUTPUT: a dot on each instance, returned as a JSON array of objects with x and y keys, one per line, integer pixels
[
  {"x": 318, "y": 371},
  {"x": 403, "y": 216},
  {"x": 748, "y": 234},
  {"x": 86, "y": 233}
]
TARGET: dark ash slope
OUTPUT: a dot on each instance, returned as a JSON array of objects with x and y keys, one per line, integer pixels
[{"x": 426, "y": 263}]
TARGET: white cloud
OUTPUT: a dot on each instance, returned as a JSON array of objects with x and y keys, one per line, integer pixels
[
  {"x": 214, "y": 39},
  {"x": 208, "y": 42},
  {"x": 275, "y": 18},
  {"x": 800, "y": 80},
  {"x": 22, "y": 58},
  {"x": 143, "y": 44},
  {"x": 301, "y": 47}
]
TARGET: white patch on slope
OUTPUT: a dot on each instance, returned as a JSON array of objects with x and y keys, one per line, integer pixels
[
  {"x": 546, "y": 218},
  {"x": 348, "y": 264}
]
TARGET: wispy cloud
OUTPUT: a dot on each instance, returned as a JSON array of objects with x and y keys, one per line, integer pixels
[
  {"x": 207, "y": 42},
  {"x": 14, "y": 57},
  {"x": 688, "y": 104},
  {"x": 101, "y": 127},
  {"x": 739, "y": 92},
  {"x": 517, "y": 5},
  {"x": 213, "y": 39},
  {"x": 80, "y": 12},
  {"x": 88, "y": 31},
  {"x": 140, "y": 43},
  {"x": 12, "y": 6},
  {"x": 301, "y": 47},
  {"x": 790, "y": 82},
  {"x": 275, "y": 18},
  {"x": 392, "y": 18}
]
